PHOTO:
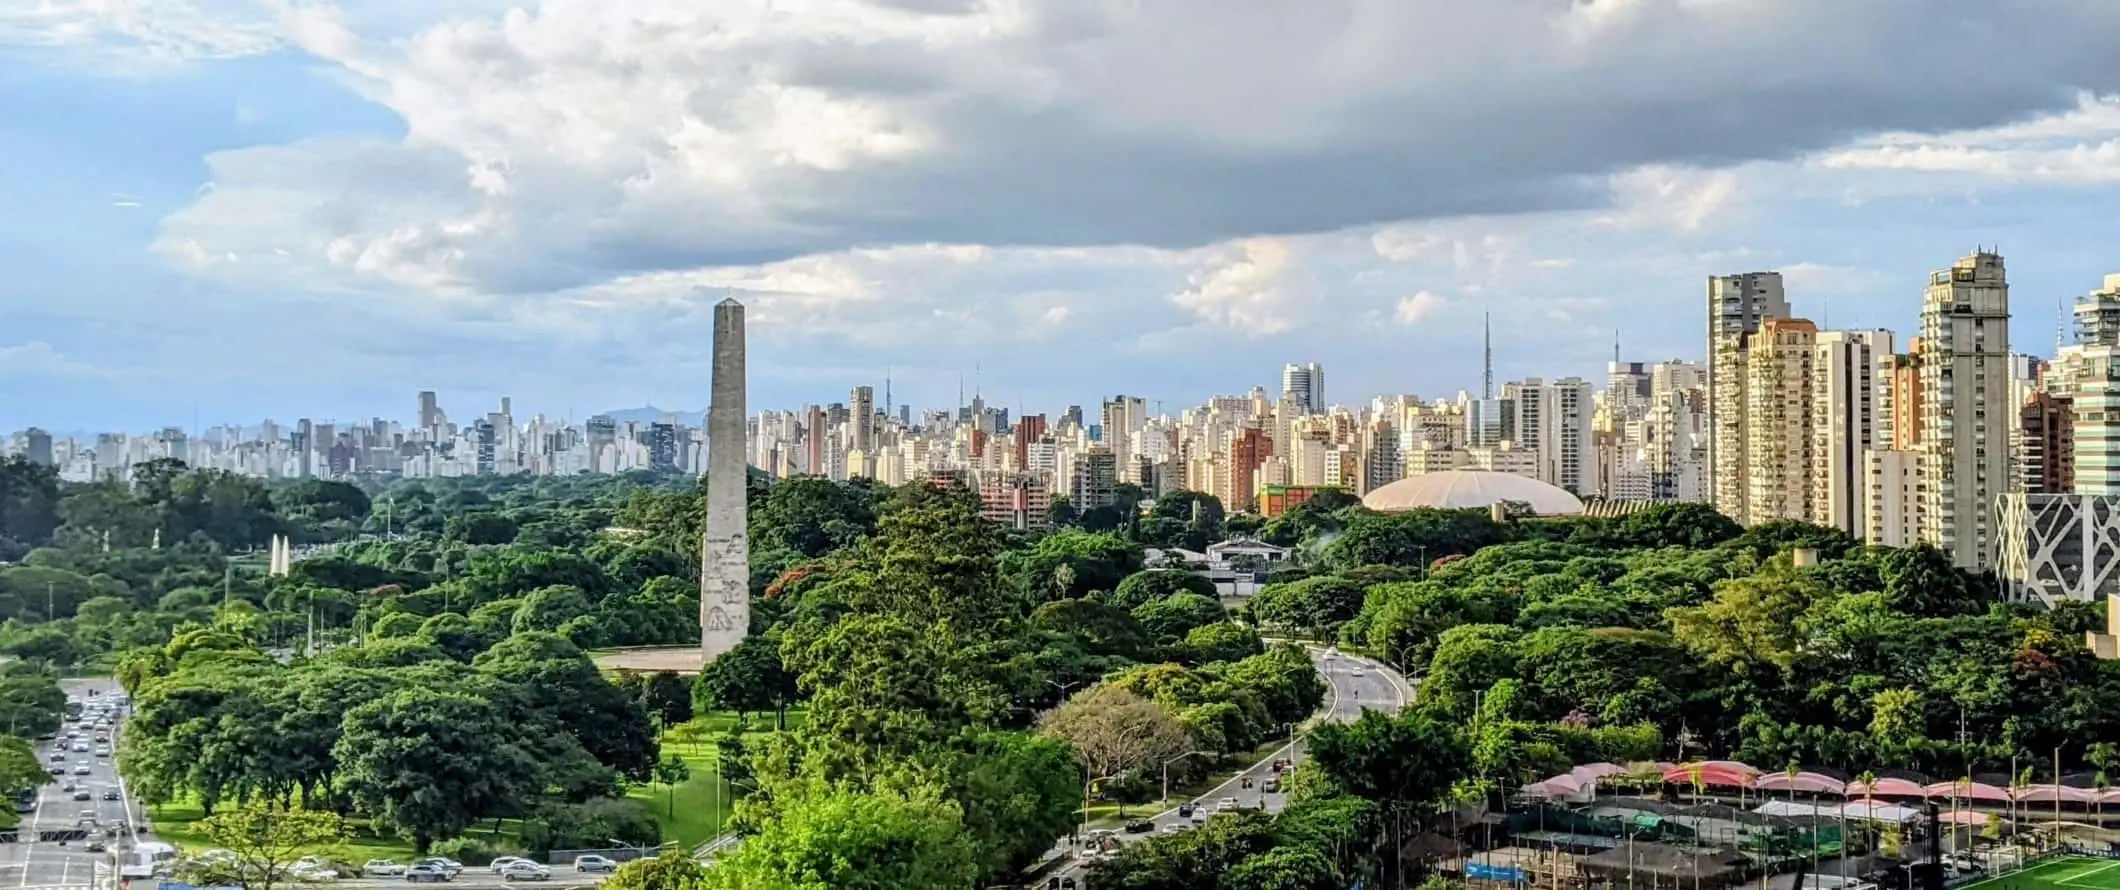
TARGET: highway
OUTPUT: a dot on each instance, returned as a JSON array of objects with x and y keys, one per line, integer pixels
[
  {"x": 29, "y": 864},
  {"x": 1357, "y": 685}
]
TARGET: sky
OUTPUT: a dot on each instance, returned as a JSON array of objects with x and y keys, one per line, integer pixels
[{"x": 220, "y": 211}]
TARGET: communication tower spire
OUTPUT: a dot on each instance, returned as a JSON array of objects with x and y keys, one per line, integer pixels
[{"x": 1486, "y": 355}]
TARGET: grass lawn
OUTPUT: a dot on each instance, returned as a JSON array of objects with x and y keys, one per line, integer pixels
[
  {"x": 693, "y": 812},
  {"x": 2063, "y": 873}
]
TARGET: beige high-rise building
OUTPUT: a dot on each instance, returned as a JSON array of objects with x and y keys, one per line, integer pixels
[
  {"x": 1737, "y": 307},
  {"x": 1965, "y": 422},
  {"x": 1777, "y": 419},
  {"x": 1844, "y": 424}
]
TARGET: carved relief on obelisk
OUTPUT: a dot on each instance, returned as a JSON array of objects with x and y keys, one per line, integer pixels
[{"x": 725, "y": 551}]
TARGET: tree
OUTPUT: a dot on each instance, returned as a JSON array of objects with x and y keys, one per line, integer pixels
[
  {"x": 828, "y": 839},
  {"x": 31, "y": 702},
  {"x": 673, "y": 870},
  {"x": 427, "y": 764},
  {"x": 746, "y": 679},
  {"x": 672, "y": 772},
  {"x": 19, "y": 769},
  {"x": 1405, "y": 759},
  {"x": 266, "y": 839},
  {"x": 1175, "y": 616},
  {"x": 1143, "y": 588},
  {"x": 1113, "y": 730},
  {"x": 1321, "y": 603}
]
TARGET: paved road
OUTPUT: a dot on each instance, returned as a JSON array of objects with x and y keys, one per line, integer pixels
[
  {"x": 32, "y": 865},
  {"x": 1357, "y": 684}
]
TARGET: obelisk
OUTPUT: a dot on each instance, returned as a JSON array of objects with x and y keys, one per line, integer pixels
[{"x": 725, "y": 548}]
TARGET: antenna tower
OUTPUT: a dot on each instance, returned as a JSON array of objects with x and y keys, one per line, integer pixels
[{"x": 1486, "y": 356}]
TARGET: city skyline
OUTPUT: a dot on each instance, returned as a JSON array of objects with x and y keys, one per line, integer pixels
[{"x": 308, "y": 218}]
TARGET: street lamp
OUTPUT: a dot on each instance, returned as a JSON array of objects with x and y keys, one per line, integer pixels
[{"x": 1166, "y": 772}]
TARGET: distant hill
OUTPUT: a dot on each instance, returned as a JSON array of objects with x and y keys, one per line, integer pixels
[{"x": 652, "y": 414}]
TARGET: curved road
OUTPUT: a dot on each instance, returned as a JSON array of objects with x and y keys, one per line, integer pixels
[{"x": 1357, "y": 685}]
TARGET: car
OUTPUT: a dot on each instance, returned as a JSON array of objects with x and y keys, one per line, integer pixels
[
  {"x": 58, "y": 770},
  {"x": 96, "y": 847},
  {"x": 1140, "y": 826},
  {"x": 1356, "y": 673},
  {"x": 1185, "y": 811},
  {"x": 432, "y": 874},
  {"x": 112, "y": 794},
  {"x": 67, "y": 788},
  {"x": 525, "y": 870},
  {"x": 1227, "y": 803},
  {"x": 312, "y": 872},
  {"x": 82, "y": 771},
  {"x": 83, "y": 795},
  {"x": 1175, "y": 827},
  {"x": 593, "y": 862},
  {"x": 448, "y": 866},
  {"x": 102, "y": 739},
  {"x": 1199, "y": 816},
  {"x": 80, "y": 749},
  {"x": 382, "y": 868},
  {"x": 58, "y": 757},
  {"x": 505, "y": 861},
  {"x": 102, "y": 752},
  {"x": 1272, "y": 786}
]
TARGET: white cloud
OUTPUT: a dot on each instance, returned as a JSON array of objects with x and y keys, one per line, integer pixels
[
  {"x": 1417, "y": 308},
  {"x": 589, "y": 139},
  {"x": 37, "y": 360},
  {"x": 2078, "y": 147},
  {"x": 160, "y": 30},
  {"x": 1802, "y": 278},
  {"x": 1254, "y": 286}
]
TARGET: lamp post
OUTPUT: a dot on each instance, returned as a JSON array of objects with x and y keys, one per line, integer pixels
[{"x": 1166, "y": 772}]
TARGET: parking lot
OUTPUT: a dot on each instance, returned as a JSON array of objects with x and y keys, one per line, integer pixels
[{"x": 30, "y": 864}]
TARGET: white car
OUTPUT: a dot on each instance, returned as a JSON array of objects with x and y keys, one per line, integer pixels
[
  {"x": 1227, "y": 803},
  {"x": 593, "y": 862},
  {"x": 383, "y": 868},
  {"x": 525, "y": 870},
  {"x": 505, "y": 861}
]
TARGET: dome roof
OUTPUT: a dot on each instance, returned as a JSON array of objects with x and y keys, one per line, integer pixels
[{"x": 1460, "y": 489}]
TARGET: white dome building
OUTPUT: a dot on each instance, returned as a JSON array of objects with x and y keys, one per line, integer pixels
[{"x": 1471, "y": 489}]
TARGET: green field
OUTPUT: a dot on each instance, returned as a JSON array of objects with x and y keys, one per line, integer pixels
[
  {"x": 693, "y": 811},
  {"x": 172, "y": 825},
  {"x": 2063, "y": 873}
]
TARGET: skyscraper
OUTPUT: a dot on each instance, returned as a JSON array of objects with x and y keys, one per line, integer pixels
[
  {"x": 2097, "y": 391},
  {"x": 1737, "y": 307},
  {"x": 1965, "y": 373},
  {"x": 1305, "y": 384},
  {"x": 861, "y": 419},
  {"x": 1845, "y": 410}
]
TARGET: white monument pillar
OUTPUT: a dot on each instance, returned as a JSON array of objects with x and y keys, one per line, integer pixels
[{"x": 725, "y": 552}]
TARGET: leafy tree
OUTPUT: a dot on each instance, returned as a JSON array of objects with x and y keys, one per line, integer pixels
[
  {"x": 1143, "y": 588},
  {"x": 672, "y": 772},
  {"x": 1321, "y": 603},
  {"x": 841, "y": 840},
  {"x": 31, "y": 702},
  {"x": 267, "y": 839},
  {"x": 1113, "y": 731},
  {"x": 1070, "y": 564},
  {"x": 748, "y": 679},
  {"x": 427, "y": 764},
  {"x": 19, "y": 768},
  {"x": 1407, "y": 759},
  {"x": 1177, "y": 615},
  {"x": 673, "y": 870}
]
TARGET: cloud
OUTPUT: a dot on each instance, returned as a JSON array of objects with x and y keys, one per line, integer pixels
[
  {"x": 2078, "y": 147},
  {"x": 1254, "y": 287},
  {"x": 158, "y": 30},
  {"x": 1417, "y": 308},
  {"x": 1803, "y": 278},
  {"x": 588, "y": 140},
  {"x": 37, "y": 360}
]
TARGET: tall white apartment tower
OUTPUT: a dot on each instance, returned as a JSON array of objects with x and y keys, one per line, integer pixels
[
  {"x": 1737, "y": 306},
  {"x": 1305, "y": 385},
  {"x": 1967, "y": 415},
  {"x": 2096, "y": 390},
  {"x": 1846, "y": 404}
]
